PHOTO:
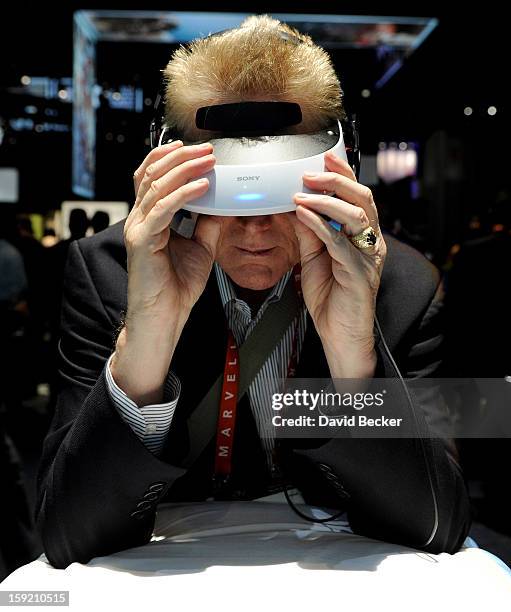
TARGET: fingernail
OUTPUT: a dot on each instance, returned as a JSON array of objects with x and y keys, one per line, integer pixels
[
  {"x": 310, "y": 174},
  {"x": 303, "y": 196}
]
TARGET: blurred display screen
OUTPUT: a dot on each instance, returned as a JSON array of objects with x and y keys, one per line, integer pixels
[
  {"x": 84, "y": 111},
  {"x": 395, "y": 162},
  {"x": 125, "y": 98},
  {"x": 368, "y": 172},
  {"x": 9, "y": 181}
]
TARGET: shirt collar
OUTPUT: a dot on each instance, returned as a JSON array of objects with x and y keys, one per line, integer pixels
[{"x": 227, "y": 292}]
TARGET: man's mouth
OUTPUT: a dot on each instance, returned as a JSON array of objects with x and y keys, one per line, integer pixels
[{"x": 256, "y": 252}]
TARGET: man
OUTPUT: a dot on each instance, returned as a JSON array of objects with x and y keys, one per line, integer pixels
[{"x": 122, "y": 430}]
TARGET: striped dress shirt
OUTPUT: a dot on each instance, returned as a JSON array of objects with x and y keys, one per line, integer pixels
[{"x": 151, "y": 423}]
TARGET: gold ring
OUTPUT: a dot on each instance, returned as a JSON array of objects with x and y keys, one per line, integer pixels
[{"x": 365, "y": 239}]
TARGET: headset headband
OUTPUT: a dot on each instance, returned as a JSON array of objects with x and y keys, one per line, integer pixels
[{"x": 248, "y": 116}]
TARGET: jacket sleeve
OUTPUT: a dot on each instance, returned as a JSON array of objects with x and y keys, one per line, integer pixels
[
  {"x": 98, "y": 484},
  {"x": 408, "y": 490}
]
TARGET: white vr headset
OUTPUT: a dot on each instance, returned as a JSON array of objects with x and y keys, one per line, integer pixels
[{"x": 259, "y": 167}]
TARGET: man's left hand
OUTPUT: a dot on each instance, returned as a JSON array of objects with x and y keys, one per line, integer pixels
[{"x": 340, "y": 281}]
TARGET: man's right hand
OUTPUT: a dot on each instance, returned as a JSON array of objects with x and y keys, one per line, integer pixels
[{"x": 166, "y": 273}]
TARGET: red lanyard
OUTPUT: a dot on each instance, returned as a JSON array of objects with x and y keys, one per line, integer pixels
[{"x": 229, "y": 396}]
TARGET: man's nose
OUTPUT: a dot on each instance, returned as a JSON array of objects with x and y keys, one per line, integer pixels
[{"x": 256, "y": 223}]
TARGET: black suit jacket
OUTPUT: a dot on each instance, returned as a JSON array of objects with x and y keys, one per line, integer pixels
[{"x": 98, "y": 485}]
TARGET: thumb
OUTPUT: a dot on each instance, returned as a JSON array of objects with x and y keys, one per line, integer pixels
[
  {"x": 308, "y": 242},
  {"x": 207, "y": 233}
]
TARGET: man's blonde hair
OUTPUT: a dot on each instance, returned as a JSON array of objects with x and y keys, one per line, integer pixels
[{"x": 251, "y": 62}]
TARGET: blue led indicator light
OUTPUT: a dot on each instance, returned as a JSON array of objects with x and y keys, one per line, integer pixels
[{"x": 249, "y": 197}]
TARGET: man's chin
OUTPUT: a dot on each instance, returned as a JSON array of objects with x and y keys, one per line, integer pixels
[{"x": 255, "y": 276}]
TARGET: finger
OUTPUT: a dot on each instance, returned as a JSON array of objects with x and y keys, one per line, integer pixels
[
  {"x": 174, "y": 179},
  {"x": 335, "y": 242},
  {"x": 160, "y": 215},
  {"x": 353, "y": 218},
  {"x": 299, "y": 228},
  {"x": 337, "y": 164},
  {"x": 308, "y": 243},
  {"x": 207, "y": 233},
  {"x": 339, "y": 244},
  {"x": 151, "y": 157},
  {"x": 158, "y": 169},
  {"x": 346, "y": 189}
]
